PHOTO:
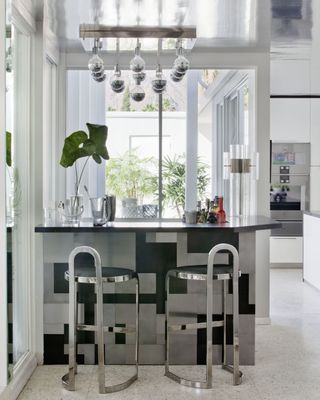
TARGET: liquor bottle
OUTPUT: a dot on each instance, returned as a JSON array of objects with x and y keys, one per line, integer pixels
[
  {"x": 221, "y": 214},
  {"x": 198, "y": 211},
  {"x": 215, "y": 207},
  {"x": 212, "y": 219}
]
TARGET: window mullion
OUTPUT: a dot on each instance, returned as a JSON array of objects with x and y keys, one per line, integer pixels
[{"x": 160, "y": 157}]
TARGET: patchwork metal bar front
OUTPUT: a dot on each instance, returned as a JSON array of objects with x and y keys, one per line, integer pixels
[{"x": 151, "y": 249}]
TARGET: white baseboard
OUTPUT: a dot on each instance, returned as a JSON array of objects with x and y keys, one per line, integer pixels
[
  {"x": 22, "y": 373},
  {"x": 263, "y": 321}
]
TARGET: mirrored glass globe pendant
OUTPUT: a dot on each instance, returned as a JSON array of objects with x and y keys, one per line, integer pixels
[
  {"x": 99, "y": 77},
  {"x": 137, "y": 64},
  {"x": 117, "y": 83},
  {"x": 96, "y": 64},
  {"x": 137, "y": 93},
  {"x": 176, "y": 76},
  {"x": 159, "y": 83},
  {"x": 181, "y": 64},
  {"x": 139, "y": 77}
]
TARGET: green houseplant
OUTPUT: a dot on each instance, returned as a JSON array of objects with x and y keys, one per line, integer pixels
[
  {"x": 174, "y": 176},
  {"x": 129, "y": 177},
  {"x": 79, "y": 145}
]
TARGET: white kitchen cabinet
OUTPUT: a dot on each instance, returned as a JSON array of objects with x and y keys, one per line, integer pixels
[
  {"x": 290, "y": 120},
  {"x": 314, "y": 187},
  {"x": 315, "y": 133},
  {"x": 286, "y": 249},
  {"x": 290, "y": 76}
]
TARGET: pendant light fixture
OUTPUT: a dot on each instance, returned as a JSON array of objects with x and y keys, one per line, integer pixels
[
  {"x": 96, "y": 64},
  {"x": 137, "y": 65},
  {"x": 116, "y": 81},
  {"x": 159, "y": 83},
  {"x": 181, "y": 64}
]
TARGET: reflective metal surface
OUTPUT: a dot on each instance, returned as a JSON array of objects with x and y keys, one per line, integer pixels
[
  {"x": 208, "y": 275},
  {"x": 119, "y": 275},
  {"x": 104, "y": 31},
  {"x": 219, "y": 23}
]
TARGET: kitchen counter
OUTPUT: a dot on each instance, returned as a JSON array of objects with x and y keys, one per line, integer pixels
[
  {"x": 315, "y": 214},
  {"x": 236, "y": 224},
  {"x": 151, "y": 249}
]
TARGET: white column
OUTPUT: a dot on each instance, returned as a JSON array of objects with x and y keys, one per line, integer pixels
[
  {"x": 192, "y": 140},
  {"x": 3, "y": 242},
  {"x": 262, "y": 204}
]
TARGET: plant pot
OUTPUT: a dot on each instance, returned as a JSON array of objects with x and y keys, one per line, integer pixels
[{"x": 130, "y": 208}]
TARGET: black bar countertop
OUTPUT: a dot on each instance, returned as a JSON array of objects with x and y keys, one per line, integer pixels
[{"x": 236, "y": 224}]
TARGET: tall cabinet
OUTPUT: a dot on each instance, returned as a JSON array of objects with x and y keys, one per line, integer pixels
[{"x": 294, "y": 118}]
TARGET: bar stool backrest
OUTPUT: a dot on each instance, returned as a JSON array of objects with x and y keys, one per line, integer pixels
[
  {"x": 213, "y": 252},
  {"x": 89, "y": 250}
]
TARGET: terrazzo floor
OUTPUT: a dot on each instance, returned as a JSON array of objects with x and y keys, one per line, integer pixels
[{"x": 287, "y": 360}]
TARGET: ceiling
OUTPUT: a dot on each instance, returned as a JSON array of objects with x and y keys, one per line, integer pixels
[{"x": 221, "y": 24}]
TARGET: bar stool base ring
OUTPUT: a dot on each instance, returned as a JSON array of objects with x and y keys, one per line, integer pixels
[
  {"x": 108, "y": 389},
  {"x": 187, "y": 382}
]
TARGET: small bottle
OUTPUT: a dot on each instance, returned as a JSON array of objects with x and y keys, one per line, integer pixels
[
  {"x": 216, "y": 204},
  {"x": 221, "y": 214},
  {"x": 207, "y": 205},
  {"x": 198, "y": 211},
  {"x": 212, "y": 219}
]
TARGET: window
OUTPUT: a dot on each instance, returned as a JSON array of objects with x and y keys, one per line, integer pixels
[
  {"x": 166, "y": 152},
  {"x": 141, "y": 134},
  {"x": 233, "y": 127}
]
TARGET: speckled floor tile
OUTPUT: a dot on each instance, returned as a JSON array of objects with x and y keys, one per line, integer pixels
[{"x": 287, "y": 360}]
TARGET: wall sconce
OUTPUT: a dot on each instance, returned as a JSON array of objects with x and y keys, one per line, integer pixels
[{"x": 240, "y": 168}]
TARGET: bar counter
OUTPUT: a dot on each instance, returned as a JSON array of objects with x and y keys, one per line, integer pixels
[{"x": 150, "y": 248}]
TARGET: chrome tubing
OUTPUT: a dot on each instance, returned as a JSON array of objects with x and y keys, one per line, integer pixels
[
  {"x": 68, "y": 380},
  {"x": 237, "y": 374}
]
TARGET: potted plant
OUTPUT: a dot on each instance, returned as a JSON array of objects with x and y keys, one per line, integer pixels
[
  {"x": 174, "y": 178},
  {"x": 81, "y": 145},
  {"x": 129, "y": 177}
]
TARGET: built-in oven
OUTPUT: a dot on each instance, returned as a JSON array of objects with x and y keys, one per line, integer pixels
[{"x": 290, "y": 186}]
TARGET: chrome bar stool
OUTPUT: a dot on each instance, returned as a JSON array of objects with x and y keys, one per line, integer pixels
[
  {"x": 209, "y": 273},
  {"x": 96, "y": 276}
]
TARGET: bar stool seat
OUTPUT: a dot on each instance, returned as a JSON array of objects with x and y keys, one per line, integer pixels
[
  {"x": 84, "y": 274},
  {"x": 97, "y": 275},
  {"x": 199, "y": 272}
]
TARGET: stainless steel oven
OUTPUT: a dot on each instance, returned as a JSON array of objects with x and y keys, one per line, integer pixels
[{"x": 290, "y": 186}]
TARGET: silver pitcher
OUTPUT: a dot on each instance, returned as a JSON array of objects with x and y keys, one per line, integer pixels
[{"x": 110, "y": 207}]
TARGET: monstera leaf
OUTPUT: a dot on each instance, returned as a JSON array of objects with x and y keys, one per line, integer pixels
[
  {"x": 79, "y": 145},
  {"x": 8, "y": 149}
]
